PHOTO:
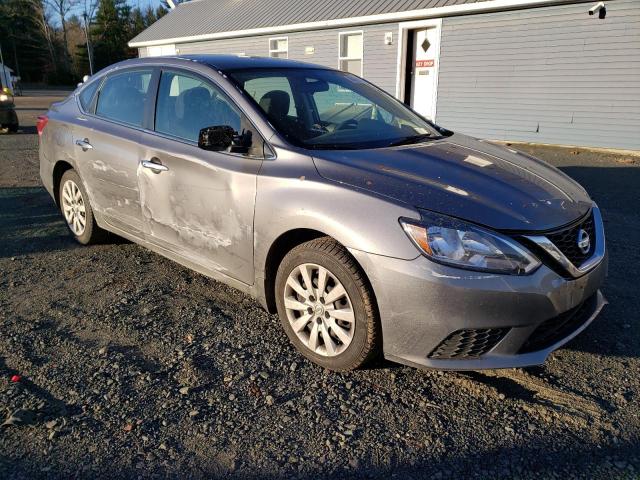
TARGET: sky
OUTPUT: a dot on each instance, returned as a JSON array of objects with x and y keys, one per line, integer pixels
[{"x": 143, "y": 4}]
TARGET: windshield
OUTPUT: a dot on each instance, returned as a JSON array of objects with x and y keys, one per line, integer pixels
[{"x": 327, "y": 109}]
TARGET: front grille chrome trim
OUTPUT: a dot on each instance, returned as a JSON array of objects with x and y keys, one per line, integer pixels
[{"x": 549, "y": 247}]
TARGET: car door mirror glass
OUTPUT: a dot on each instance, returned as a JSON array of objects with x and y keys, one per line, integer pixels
[
  {"x": 222, "y": 137},
  {"x": 242, "y": 142},
  {"x": 217, "y": 138}
]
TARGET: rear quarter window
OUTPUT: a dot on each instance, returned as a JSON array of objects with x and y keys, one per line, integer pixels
[{"x": 86, "y": 95}]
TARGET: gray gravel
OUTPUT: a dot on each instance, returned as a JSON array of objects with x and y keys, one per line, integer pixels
[{"x": 132, "y": 367}]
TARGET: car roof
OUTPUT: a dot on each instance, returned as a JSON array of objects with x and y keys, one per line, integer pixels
[
  {"x": 219, "y": 62},
  {"x": 235, "y": 62}
]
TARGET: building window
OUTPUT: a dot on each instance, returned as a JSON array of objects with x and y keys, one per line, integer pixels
[
  {"x": 279, "y": 47},
  {"x": 351, "y": 49}
]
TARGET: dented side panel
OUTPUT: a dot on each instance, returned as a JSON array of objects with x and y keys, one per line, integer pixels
[
  {"x": 202, "y": 207},
  {"x": 109, "y": 171}
]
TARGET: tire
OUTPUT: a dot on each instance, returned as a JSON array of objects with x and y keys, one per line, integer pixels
[
  {"x": 350, "y": 320},
  {"x": 13, "y": 128},
  {"x": 90, "y": 233}
]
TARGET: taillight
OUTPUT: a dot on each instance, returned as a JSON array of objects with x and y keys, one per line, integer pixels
[{"x": 42, "y": 122}]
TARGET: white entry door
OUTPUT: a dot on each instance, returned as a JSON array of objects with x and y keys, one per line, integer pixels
[{"x": 424, "y": 71}]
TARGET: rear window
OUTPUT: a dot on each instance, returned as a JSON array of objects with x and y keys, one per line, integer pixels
[
  {"x": 123, "y": 97},
  {"x": 86, "y": 95}
]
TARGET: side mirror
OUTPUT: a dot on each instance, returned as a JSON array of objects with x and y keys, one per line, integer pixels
[
  {"x": 216, "y": 139},
  {"x": 222, "y": 137}
]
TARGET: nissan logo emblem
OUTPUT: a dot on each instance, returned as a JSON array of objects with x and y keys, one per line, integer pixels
[{"x": 584, "y": 242}]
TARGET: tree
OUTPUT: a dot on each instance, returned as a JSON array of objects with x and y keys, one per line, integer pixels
[
  {"x": 88, "y": 11},
  {"x": 111, "y": 32},
  {"x": 23, "y": 41},
  {"x": 77, "y": 46},
  {"x": 137, "y": 22},
  {"x": 62, "y": 8}
]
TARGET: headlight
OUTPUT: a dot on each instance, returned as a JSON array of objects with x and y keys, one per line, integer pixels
[
  {"x": 4, "y": 97},
  {"x": 460, "y": 244}
]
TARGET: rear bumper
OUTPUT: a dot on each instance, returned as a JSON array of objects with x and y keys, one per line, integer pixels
[{"x": 442, "y": 317}]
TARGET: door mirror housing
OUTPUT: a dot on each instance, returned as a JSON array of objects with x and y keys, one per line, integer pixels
[{"x": 221, "y": 137}]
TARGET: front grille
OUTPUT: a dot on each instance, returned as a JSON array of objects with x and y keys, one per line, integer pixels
[
  {"x": 567, "y": 241},
  {"x": 469, "y": 343},
  {"x": 556, "y": 328}
]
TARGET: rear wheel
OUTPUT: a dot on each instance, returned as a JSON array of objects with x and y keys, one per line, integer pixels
[
  {"x": 326, "y": 305},
  {"x": 74, "y": 204},
  {"x": 13, "y": 128}
]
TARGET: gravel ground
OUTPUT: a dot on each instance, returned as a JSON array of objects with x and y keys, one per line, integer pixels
[{"x": 132, "y": 366}]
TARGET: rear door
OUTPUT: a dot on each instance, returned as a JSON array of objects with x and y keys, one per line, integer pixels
[
  {"x": 107, "y": 139},
  {"x": 197, "y": 203}
]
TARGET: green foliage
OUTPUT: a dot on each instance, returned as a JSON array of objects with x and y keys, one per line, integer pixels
[
  {"x": 115, "y": 24},
  {"x": 22, "y": 39},
  {"x": 111, "y": 32},
  {"x": 36, "y": 32}
]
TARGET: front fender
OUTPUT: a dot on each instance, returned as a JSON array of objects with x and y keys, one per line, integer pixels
[{"x": 292, "y": 195}]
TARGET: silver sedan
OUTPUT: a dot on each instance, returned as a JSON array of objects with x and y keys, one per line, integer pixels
[{"x": 368, "y": 229}]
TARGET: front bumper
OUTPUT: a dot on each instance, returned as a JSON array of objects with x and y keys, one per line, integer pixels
[{"x": 442, "y": 317}]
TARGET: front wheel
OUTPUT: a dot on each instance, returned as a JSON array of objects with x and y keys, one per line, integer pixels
[
  {"x": 74, "y": 204},
  {"x": 326, "y": 305}
]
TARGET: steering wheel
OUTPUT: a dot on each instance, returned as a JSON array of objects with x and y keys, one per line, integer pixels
[
  {"x": 348, "y": 124},
  {"x": 321, "y": 125}
]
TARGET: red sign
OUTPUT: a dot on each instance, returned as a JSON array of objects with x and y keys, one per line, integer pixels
[{"x": 424, "y": 63}]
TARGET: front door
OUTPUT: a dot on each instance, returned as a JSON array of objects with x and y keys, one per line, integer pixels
[
  {"x": 199, "y": 204},
  {"x": 423, "y": 71}
]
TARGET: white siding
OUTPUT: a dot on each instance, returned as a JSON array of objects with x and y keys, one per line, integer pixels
[
  {"x": 548, "y": 75},
  {"x": 379, "y": 59}
]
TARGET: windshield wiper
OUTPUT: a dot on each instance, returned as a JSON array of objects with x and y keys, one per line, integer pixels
[{"x": 412, "y": 139}]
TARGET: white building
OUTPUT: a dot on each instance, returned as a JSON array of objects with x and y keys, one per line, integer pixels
[{"x": 542, "y": 71}]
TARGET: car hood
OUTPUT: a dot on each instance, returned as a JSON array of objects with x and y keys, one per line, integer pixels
[{"x": 466, "y": 178}]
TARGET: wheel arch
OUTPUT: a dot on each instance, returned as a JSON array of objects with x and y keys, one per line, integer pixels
[
  {"x": 283, "y": 245},
  {"x": 277, "y": 251},
  {"x": 59, "y": 169}
]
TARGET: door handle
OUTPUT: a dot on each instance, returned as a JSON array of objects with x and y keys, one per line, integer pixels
[
  {"x": 84, "y": 144},
  {"x": 156, "y": 167}
]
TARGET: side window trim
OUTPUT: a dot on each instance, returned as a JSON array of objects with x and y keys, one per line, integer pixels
[
  {"x": 92, "y": 105},
  {"x": 149, "y": 119}
]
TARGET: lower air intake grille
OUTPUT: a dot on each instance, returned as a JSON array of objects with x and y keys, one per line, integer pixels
[
  {"x": 469, "y": 343},
  {"x": 556, "y": 328}
]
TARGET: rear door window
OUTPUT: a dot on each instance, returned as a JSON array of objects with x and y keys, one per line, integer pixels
[{"x": 123, "y": 97}]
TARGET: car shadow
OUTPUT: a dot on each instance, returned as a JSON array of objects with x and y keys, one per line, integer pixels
[
  {"x": 31, "y": 223},
  {"x": 545, "y": 457}
]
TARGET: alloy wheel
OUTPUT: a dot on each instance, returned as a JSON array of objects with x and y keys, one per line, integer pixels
[
  {"x": 73, "y": 207},
  {"x": 319, "y": 309}
]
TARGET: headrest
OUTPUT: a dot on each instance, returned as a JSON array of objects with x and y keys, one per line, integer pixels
[
  {"x": 275, "y": 103},
  {"x": 194, "y": 98}
]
